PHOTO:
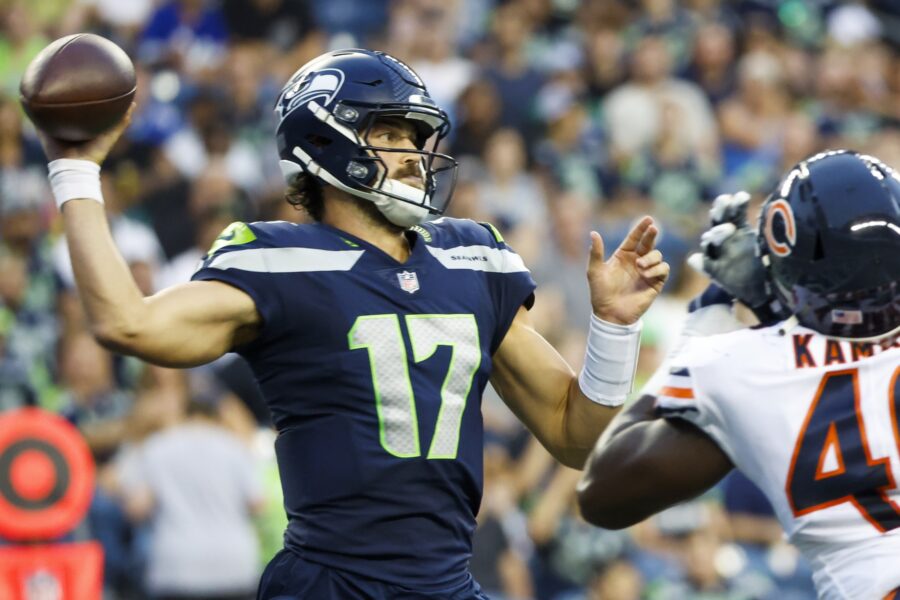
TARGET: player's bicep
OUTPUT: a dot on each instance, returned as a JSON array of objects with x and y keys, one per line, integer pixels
[
  {"x": 643, "y": 465},
  {"x": 194, "y": 323}
]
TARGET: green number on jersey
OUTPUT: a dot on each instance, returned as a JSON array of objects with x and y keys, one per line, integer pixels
[{"x": 395, "y": 404}]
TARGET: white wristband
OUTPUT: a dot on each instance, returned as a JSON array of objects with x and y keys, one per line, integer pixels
[
  {"x": 610, "y": 360},
  {"x": 72, "y": 179}
]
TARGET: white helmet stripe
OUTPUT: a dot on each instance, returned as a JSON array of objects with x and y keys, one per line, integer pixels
[
  {"x": 404, "y": 214},
  {"x": 326, "y": 117}
]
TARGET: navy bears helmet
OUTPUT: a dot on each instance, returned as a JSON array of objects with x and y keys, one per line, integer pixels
[
  {"x": 829, "y": 236},
  {"x": 325, "y": 112}
]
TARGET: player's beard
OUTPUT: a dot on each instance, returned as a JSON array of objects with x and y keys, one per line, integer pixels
[{"x": 373, "y": 216}]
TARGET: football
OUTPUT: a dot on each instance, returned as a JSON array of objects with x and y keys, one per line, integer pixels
[{"x": 78, "y": 87}]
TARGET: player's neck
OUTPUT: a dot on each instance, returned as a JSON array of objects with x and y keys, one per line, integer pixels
[{"x": 361, "y": 219}]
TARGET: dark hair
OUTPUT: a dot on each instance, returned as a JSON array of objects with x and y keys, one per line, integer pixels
[{"x": 305, "y": 192}]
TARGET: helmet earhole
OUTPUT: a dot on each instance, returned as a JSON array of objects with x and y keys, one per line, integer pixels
[{"x": 819, "y": 250}]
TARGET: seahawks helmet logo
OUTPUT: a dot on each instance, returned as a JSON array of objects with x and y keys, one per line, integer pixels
[{"x": 319, "y": 85}]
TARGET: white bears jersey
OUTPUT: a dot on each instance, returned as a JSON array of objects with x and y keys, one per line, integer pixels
[{"x": 815, "y": 423}]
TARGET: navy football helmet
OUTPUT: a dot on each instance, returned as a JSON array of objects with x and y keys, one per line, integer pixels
[
  {"x": 325, "y": 112},
  {"x": 829, "y": 236}
]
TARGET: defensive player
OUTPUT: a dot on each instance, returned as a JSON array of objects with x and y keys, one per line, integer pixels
[
  {"x": 372, "y": 332},
  {"x": 808, "y": 408}
]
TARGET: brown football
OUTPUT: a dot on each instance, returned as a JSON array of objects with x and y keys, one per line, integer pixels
[{"x": 78, "y": 87}]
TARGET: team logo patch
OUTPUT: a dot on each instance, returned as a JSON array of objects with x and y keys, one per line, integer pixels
[
  {"x": 43, "y": 585},
  {"x": 409, "y": 282},
  {"x": 235, "y": 234},
  {"x": 781, "y": 243},
  {"x": 319, "y": 85}
]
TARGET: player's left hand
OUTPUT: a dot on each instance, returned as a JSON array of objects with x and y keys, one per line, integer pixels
[{"x": 624, "y": 286}]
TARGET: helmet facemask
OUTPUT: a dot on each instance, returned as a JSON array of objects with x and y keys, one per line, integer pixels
[{"x": 402, "y": 203}]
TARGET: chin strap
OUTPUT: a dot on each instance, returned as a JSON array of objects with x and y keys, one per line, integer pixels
[{"x": 398, "y": 212}]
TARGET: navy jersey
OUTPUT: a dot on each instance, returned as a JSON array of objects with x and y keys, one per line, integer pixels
[{"x": 374, "y": 371}]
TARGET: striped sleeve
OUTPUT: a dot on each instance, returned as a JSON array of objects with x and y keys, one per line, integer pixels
[
  {"x": 676, "y": 397},
  {"x": 680, "y": 395}
]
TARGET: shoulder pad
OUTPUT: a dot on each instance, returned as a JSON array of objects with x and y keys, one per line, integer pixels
[
  {"x": 447, "y": 232},
  {"x": 236, "y": 234}
]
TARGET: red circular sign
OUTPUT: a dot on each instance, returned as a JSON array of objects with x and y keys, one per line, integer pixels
[
  {"x": 32, "y": 475},
  {"x": 46, "y": 475}
]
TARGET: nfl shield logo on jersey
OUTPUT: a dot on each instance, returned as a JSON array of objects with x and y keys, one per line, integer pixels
[{"x": 408, "y": 282}]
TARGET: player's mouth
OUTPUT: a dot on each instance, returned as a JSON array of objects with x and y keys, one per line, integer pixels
[{"x": 414, "y": 181}]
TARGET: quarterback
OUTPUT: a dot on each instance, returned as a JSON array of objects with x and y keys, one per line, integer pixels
[
  {"x": 808, "y": 407},
  {"x": 372, "y": 331}
]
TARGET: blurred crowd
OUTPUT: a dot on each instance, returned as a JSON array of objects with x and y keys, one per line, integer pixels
[{"x": 567, "y": 116}]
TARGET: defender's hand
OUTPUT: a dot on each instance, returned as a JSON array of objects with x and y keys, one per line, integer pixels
[
  {"x": 624, "y": 286},
  {"x": 728, "y": 251},
  {"x": 94, "y": 150}
]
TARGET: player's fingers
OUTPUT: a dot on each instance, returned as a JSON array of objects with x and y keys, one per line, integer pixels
[
  {"x": 596, "y": 247},
  {"x": 634, "y": 236},
  {"x": 650, "y": 259},
  {"x": 659, "y": 272},
  {"x": 729, "y": 207},
  {"x": 127, "y": 118},
  {"x": 717, "y": 235},
  {"x": 648, "y": 240},
  {"x": 718, "y": 207},
  {"x": 741, "y": 198}
]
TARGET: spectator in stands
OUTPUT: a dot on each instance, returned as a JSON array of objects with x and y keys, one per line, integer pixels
[
  {"x": 92, "y": 400},
  {"x": 618, "y": 580},
  {"x": 189, "y": 35},
  {"x": 712, "y": 67},
  {"x": 753, "y": 120},
  {"x": 605, "y": 62},
  {"x": 572, "y": 155},
  {"x": 195, "y": 485},
  {"x": 509, "y": 70},
  {"x": 478, "y": 115},
  {"x": 510, "y": 196},
  {"x": 634, "y": 111}
]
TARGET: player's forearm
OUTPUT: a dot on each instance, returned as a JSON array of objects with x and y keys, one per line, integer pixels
[
  {"x": 548, "y": 401},
  {"x": 113, "y": 303},
  {"x": 643, "y": 464},
  {"x": 619, "y": 487},
  {"x": 622, "y": 487},
  {"x": 584, "y": 422},
  {"x": 541, "y": 388}
]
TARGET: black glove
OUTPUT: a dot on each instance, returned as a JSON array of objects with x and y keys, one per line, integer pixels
[{"x": 729, "y": 256}]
